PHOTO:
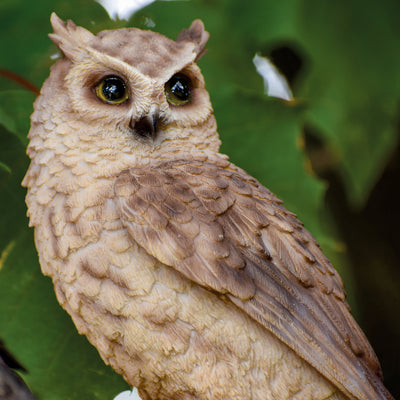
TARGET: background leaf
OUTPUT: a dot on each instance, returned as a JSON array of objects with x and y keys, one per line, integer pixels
[
  {"x": 356, "y": 107},
  {"x": 15, "y": 105}
]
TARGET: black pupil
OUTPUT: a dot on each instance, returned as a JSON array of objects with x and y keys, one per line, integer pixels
[
  {"x": 113, "y": 88},
  {"x": 179, "y": 87}
]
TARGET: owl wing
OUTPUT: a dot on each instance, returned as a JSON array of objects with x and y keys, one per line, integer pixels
[{"x": 222, "y": 229}]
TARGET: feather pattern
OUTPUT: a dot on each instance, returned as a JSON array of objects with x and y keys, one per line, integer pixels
[{"x": 222, "y": 229}]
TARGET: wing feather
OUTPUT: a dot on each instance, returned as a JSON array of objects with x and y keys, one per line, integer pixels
[{"x": 222, "y": 229}]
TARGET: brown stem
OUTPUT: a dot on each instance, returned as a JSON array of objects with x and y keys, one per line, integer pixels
[{"x": 20, "y": 80}]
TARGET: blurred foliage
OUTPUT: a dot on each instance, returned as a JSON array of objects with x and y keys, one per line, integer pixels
[{"x": 347, "y": 95}]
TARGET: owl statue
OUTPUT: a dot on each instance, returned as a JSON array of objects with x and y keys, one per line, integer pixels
[{"x": 188, "y": 276}]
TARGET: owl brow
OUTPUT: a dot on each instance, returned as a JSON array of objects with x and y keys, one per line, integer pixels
[
  {"x": 94, "y": 78},
  {"x": 117, "y": 67}
]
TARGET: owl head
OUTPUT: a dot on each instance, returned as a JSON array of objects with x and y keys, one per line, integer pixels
[{"x": 127, "y": 90}]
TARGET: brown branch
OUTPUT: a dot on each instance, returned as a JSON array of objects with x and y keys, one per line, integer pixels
[{"x": 20, "y": 80}]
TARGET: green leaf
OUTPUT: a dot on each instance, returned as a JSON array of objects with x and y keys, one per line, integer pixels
[
  {"x": 15, "y": 108},
  {"x": 13, "y": 217},
  {"x": 352, "y": 86}
]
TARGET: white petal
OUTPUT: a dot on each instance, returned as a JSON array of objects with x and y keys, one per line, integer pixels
[
  {"x": 275, "y": 84},
  {"x": 123, "y": 9},
  {"x": 128, "y": 395}
]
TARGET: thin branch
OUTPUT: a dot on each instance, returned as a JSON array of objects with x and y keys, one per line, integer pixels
[{"x": 20, "y": 80}]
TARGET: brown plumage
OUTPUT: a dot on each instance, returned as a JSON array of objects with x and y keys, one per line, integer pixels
[{"x": 190, "y": 278}]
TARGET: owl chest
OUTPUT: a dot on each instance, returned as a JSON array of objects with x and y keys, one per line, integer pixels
[{"x": 84, "y": 246}]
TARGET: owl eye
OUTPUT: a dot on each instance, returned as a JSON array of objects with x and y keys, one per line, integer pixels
[
  {"x": 177, "y": 90},
  {"x": 112, "y": 90}
]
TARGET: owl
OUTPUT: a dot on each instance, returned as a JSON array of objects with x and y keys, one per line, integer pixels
[{"x": 189, "y": 277}]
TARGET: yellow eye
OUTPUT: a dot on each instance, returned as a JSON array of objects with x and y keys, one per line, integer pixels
[
  {"x": 177, "y": 90},
  {"x": 112, "y": 90}
]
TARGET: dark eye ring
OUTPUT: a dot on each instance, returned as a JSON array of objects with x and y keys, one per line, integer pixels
[
  {"x": 178, "y": 90},
  {"x": 112, "y": 90}
]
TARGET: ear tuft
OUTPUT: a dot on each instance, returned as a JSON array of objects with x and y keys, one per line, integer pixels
[
  {"x": 69, "y": 38},
  {"x": 197, "y": 35}
]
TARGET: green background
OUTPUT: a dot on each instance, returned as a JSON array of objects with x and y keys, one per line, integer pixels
[{"x": 332, "y": 156}]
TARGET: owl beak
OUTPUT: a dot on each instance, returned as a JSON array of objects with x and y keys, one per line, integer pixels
[{"x": 147, "y": 125}]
